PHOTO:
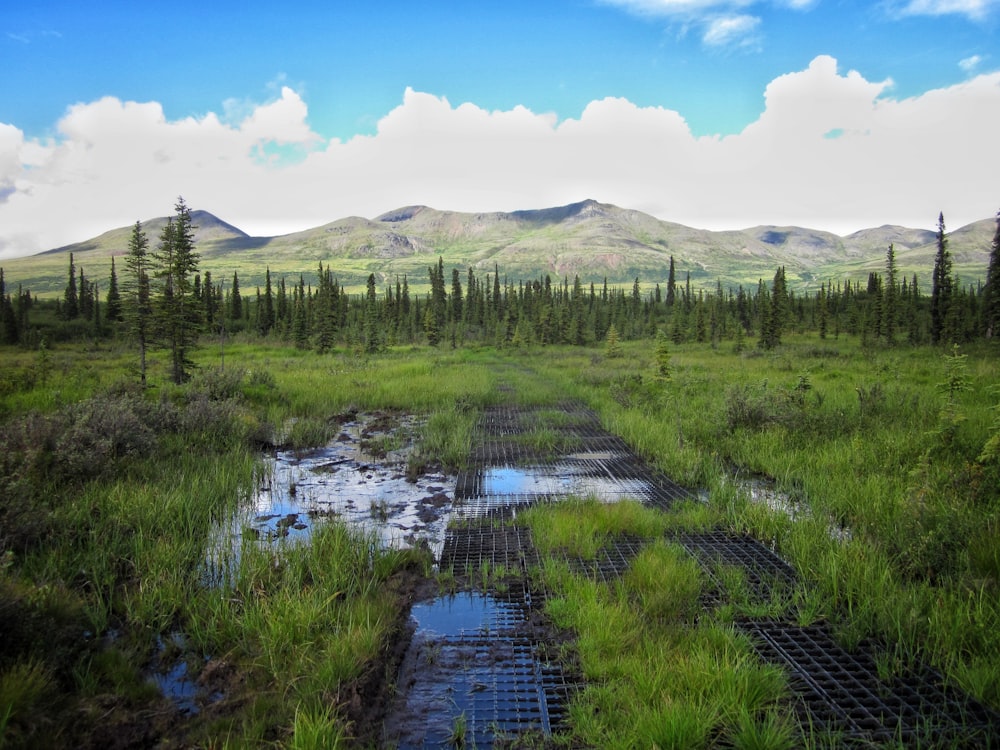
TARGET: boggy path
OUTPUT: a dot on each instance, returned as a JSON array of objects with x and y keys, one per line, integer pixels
[{"x": 482, "y": 669}]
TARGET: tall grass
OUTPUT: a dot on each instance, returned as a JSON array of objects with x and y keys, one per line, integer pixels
[
  {"x": 106, "y": 537},
  {"x": 655, "y": 678},
  {"x": 863, "y": 442},
  {"x": 110, "y": 541}
]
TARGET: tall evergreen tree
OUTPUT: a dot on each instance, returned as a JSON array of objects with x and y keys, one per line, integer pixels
[
  {"x": 300, "y": 319},
  {"x": 890, "y": 312},
  {"x": 456, "y": 296},
  {"x": 177, "y": 309},
  {"x": 774, "y": 311},
  {"x": 113, "y": 313},
  {"x": 991, "y": 292},
  {"x": 372, "y": 325},
  {"x": 941, "y": 286},
  {"x": 437, "y": 311},
  {"x": 209, "y": 300},
  {"x": 326, "y": 310},
  {"x": 85, "y": 295},
  {"x": 71, "y": 302},
  {"x": 282, "y": 312},
  {"x": 266, "y": 313},
  {"x": 671, "y": 284},
  {"x": 9, "y": 333},
  {"x": 235, "y": 300},
  {"x": 136, "y": 305},
  {"x": 822, "y": 312}
]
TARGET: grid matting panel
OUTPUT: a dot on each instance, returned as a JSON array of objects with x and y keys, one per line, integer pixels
[
  {"x": 509, "y": 467},
  {"x": 762, "y": 568},
  {"x": 611, "y": 561},
  {"x": 841, "y": 693},
  {"x": 469, "y": 548},
  {"x": 492, "y": 687}
]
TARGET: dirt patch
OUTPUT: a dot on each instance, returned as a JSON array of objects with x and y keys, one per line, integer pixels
[{"x": 364, "y": 701}]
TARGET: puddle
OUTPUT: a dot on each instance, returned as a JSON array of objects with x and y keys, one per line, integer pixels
[
  {"x": 458, "y": 614},
  {"x": 471, "y": 677},
  {"x": 763, "y": 491},
  {"x": 301, "y": 489},
  {"x": 577, "y": 478},
  {"x": 170, "y": 675}
]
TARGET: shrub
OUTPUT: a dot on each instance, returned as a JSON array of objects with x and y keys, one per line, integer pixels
[
  {"x": 749, "y": 408},
  {"x": 632, "y": 391},
  {"x": 100, "y": 431}
]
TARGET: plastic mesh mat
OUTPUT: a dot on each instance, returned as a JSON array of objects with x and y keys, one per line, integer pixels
[
  {"x": 477, "y": 672},
  {"x": 763, "y": 572},
  {"x": 506, "y": 687},
  {"x": 840, "y": 693},
  {"x": 512, "y": 465}
]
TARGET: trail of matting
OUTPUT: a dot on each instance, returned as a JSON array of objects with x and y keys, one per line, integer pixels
[{"x": 482, "y": 669}]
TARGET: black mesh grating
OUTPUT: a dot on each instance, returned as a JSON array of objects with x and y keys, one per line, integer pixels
[
  {"x": 504, "y": 685},
  {"x": 763, "y": 571},
  {"x": 840, "y": 693},
  {"x": 468, "y": 548},
  {"x": 487, "y": 673}
]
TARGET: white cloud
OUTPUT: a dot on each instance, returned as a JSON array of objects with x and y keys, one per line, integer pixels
[
  {"x": 974, "y": 9},
  {"x": 726, "y": 31},
  {"x": 674, "y": 7},
  {"x": 830, "y": 151},
  {"x": 969, "y": 64},
  {"x": 721, "y": 22}
]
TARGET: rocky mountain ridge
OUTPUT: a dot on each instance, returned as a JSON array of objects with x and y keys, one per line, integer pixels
[{"x": 592, "y": 240}]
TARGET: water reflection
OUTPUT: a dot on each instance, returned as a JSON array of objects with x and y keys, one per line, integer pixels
[{"x": 301, "y": 489}]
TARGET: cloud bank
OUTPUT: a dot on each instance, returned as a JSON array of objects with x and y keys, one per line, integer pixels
[{"x": 830, "y": 151}]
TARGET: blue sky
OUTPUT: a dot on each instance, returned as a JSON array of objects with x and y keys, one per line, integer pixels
[{"x": 713, "y": 113}]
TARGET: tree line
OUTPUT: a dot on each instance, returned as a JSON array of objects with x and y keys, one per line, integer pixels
[{"x": 163, "y": 301}]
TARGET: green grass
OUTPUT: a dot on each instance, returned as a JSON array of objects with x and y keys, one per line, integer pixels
[
  {"x": 105, "y": 533},
  {"x": 862, "y": 449}
]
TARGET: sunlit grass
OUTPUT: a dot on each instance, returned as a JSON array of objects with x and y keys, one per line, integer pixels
[{"x": 894, "y": 538}]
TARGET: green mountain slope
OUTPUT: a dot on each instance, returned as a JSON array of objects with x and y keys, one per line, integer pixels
[{"x": 588, "y": 239}]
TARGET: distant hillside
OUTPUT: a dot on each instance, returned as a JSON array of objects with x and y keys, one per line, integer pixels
[
  {"x": 208, "y": 229},
  {"x": 588, "y": 239}
]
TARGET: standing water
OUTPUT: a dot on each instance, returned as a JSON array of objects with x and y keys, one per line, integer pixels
[{"x": 347, "y": 480}]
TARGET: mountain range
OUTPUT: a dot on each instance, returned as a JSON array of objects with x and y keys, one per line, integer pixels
[{"x": 592, "y": 240}]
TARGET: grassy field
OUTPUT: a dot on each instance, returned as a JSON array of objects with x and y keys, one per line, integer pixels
[{"x": 110, "y": 495}]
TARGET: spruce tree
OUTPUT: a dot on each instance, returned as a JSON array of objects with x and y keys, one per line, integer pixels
[
  {"x": 456, "y": 296},
  {"x": 136, "y": 305},
  {"x": 436, "y": 314},
  {"x": 282, "y": 312},
  {"x": 991, "y": 293},
  {"x": 209, "y": 300},
  {"x": 177, "y": 309},
  {"x": 71, "y": 302},
  {"x": 9, "y": 333},
  {"x": 671, "y": 284},
  {"x": 266, "y": 313},
  {"x": 372, "y": 326},
  {"x": 941, "y": 286},
  {"x": 822, "y": 312},
  {"x": 326, "y": 311},
  {"x": 300, "y": 320},
  {"x": 612, "y": 344},
  {"x": 113, "y": 312},
  {"x": 85, "y": 295},
  {"x": 889, "y": 298},
  {"x": 774, "y": 311},
  {"x": 235, "y": 300}
]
